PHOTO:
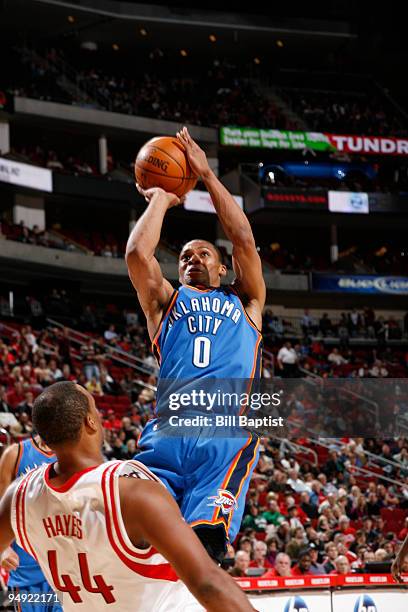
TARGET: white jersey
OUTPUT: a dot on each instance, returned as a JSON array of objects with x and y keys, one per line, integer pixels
[{"x": 77, "y": 535}]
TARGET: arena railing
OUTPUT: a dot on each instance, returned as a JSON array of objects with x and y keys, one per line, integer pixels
[
  {"x": 119, "y": 355},
  {"x": 360, "y": 470},
  {"x": 371, "y": 406},
  {"x": 296, "y": 448}
]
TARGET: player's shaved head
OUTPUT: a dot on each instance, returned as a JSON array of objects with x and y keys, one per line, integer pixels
[{"x": 59, "y": 413}]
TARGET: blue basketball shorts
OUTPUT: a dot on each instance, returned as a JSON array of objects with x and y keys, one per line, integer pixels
[{"x": 207, "y": 476}]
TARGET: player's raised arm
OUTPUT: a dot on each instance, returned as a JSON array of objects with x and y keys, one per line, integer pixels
[
  {"x": 8, "y": 557},
  {"x": 153, "y": 290},
  {"x": 161, "y": 524},
  {"x": 399, "y": 560},
  {"x": 246, "y": 261},
  {"x": 8, "y": 462},
  {"x": 6, "y": 531}
]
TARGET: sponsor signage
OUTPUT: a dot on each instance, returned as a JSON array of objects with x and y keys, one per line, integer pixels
[
  {"x": 317, "y": 141},
  {"x": 274, "y": 139},
  {"x": 348, "y": 202},
  {"x": 374, "y": 601},
  {"x": 295, "y": 198},
  {"x": 200, "y": 201},
  {"x": 349, "y": 283},
  {"x": 25, "y": 175}
]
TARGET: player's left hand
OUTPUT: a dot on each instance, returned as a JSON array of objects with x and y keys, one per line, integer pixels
[
  {"x": 196, "y": 156},
  {"x": 9, "y": 559},
  {"x": 171, "y": 198}
]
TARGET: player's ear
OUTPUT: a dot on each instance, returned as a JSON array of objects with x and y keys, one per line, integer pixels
[
  {"x": 90, "y": 423},
  {"x": 223, "y": 270}
]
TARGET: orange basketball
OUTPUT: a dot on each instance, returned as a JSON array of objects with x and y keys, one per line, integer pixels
[{"x": 161, "y": 162}]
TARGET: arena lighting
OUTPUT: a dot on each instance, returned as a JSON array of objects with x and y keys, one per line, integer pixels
[{"x": 212, "y": 38}]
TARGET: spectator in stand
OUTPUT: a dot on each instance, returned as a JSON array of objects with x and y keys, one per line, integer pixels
[
  {"x": 94, "y": 386},
  {"x": 110, "y": 334},
  {"x": 381, "y": 554},
  {"x": 26, "y": 406},
  {"x": 378, "y": 370},
  {"x": 112, "y": 421},
  {"x": 272, "y": 550},
  {"x": 308, "y": 324},
  {"x": 273, "y": 516},
  {"x": 304, "y": 561},
  {"x": 306, "y": 506},
  {"x": 293, "y": 517},
  {"x": 16, "y": 395},
  {"x": 331, "y": 556},
  {"x": 354, "y": 323},
  {"x": 246, "y": 545},
  {"x": 4, "y": 404},
  {"x": 287, "y": 361},
  {"x": 260, "y": 560},
  {"x": 346, "y": 529},
  {"x": 55, "y": 372},
  {"x": 297, "y": 484},
  {"x": 241, "y": 564},
  {"x": 282, "y": 567},
  {"x": 342, "y": 566},
  {"x": 254, "y": 520},
  {"x": 325, "y": 325},
  {"x": 90, "y": 364},
  {"x": 297, "y": 543},
  {"x": 316, "y": 568},
  {"x": 404, "y": 531},
  {"x": 336, "y": 358}
]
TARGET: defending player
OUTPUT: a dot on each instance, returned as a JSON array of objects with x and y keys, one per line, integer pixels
[
  {"x": 99, "y": 530},
  {"x": 25, "y": 573},
  {"x": 201, "y": 331}
]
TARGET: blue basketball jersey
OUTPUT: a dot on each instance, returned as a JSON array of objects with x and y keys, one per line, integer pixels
[
  {"x": 206, "y": 333},
  {"x": 30, "y": 456}
]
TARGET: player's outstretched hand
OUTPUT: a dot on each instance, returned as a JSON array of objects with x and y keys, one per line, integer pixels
[
  {"x": 396, "y": 569},
  {"x": 196, "y": 156},
  {"x": 9, "y": 559},
  {"x": 171, "y": 198}
]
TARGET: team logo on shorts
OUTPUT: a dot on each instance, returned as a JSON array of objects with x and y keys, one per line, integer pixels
[{"x": 224, "y": 500}]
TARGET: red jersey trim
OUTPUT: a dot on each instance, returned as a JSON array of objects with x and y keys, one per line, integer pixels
[
  {"x": 70, "y": 482},
  {"x": 20, "y": 515},
  {"x": 162, "y": 571},
  {"x": 114, "y": 505}
]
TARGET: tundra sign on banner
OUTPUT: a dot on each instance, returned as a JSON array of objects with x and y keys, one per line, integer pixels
[
  {"x": 316, "y": 141},
  {"x": 369, "y": 144}
]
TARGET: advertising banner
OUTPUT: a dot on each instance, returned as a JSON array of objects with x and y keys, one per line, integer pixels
[
  {"x": 349, "y": 283},
  {"x": 294, "y": 602},
  {"x": 295, "y": 198},
  {"x": 372, "y": 600},
  {"x": 25, "y": 175},
  {"x": 200, "y": 201},
  {"x": 348, "y": 202},
  {"x": 274, "y": 139},
  {"x": 316, "y": 141}
]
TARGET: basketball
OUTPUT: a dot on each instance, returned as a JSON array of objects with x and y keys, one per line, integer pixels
[{"x": 162, "y": 162}]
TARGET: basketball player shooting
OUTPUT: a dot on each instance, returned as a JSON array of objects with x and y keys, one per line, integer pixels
[
  {"x": 201, "y": 330},
  {"x": 105, "y": 534}
]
